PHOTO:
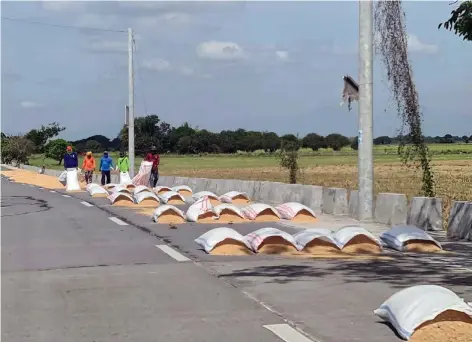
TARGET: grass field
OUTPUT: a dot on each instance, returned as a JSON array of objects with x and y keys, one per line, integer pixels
[{"x": 452, "y": 167}]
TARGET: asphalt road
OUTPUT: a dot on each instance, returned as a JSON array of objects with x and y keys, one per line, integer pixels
[{"x": 72, "y": 272}]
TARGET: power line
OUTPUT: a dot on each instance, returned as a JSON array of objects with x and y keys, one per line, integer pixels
[
  {"x": 62, "y": 26},
  {"x": 140, "y": 78}
]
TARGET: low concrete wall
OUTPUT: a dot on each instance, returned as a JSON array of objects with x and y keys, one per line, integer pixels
[
  {"x": 460, "y": 220},
  {"x": 390, "y": 209}
]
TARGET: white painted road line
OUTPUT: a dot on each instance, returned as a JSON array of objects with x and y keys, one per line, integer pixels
[
  {"x": 52, "y": 191},
  {"x": 87, "y": 204},
  {"x": 118, "y": 221},
  {"x": 287, "y": 333},
  {"x": 172, "y": 253},
  {"x": 67, "y": 196}
]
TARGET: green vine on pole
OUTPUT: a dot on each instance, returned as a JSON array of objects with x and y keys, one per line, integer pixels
[{"x": 392, "y": 44}]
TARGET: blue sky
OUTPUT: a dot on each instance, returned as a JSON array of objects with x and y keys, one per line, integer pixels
[{"x": 273, "y": 66}]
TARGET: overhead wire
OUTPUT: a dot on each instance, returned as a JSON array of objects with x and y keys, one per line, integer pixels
[{"x": 62, "y": 26}]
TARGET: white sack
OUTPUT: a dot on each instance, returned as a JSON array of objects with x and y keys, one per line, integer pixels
[
  {"x": 289, "y": 210},
  {"x": 308, "y": 235},
  {"x": 72, "y": 181},
  {"x": 346, "y": 234},
  {"x": 94, "y": 190},
  {"x": 181, "y": 187},
  {"x": 159, "y": 188},
  {"x": 201, "y": 194},
  {"x": 125, "y": 178},
  {"x": 213, "y": 237},
  {"x": 219, "y": 208},
  {"x": 166, "y": 196},
  {"x": 144, "y": 174},
  {"x": 256, "y": 238},
  {"x": 114, "y": 196},
  {"x": 110, "y": 186},
  {"x": 228, "y": 197},
  {"x": 141, "y": 188},
  {"x": 62, "y": 177},
  {"x": 91, "y": 185},
  {"x": 141, "y": 196},
  {"x": 163, "y": 208},
  {"x": 120, "y": 188},
  {"x": 198, "y": 208},
  {"x": 407, "y": 309},
  {"x": 397, "y": 236},
  {"x": 252, "y": 210}
]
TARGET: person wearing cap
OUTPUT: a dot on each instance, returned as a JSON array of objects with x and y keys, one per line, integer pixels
[
  {"x": 71, "y": 161},
  {"x": 106, "y": 165},
  {"x": 88, "y": 166},
  {"x": 123, "y": 163}
]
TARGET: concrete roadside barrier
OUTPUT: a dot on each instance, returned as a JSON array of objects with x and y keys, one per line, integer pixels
[
  {"x": 312, "y": 197},
  {"x": 391, "y": 209},
  {"x": 353, "y": 205},
  {"x": 426, "y": 213},
  {"x": 460, "y": 220},
  {"x": 335, "y": 201}
]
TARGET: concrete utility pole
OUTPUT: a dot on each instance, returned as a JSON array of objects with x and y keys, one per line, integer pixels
[
  {"x": 130, "y": 104},
  {"x": 365, "y": 155}
]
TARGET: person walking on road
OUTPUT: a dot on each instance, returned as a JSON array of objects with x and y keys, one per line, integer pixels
[
  {"x": 123, "y": 163},
  {"x": 155, "y": 159},
  {"x": 106, "y": 165},
  {"x": 88, "y": 166},
  {"x": 71, "y": 161}
]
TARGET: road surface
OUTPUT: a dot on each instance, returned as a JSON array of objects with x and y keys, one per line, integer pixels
[{"x": 71, "y": 272}]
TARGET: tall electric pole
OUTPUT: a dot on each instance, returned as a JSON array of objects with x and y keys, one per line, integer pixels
[
  {"x": 130, "y": 104},
  {"x": 365, "y": 151}
]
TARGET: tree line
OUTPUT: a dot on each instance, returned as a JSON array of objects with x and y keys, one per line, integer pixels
[{"x": 185, "y": 139}]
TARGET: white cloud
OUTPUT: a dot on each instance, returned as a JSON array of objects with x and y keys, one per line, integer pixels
[
  {"x": 218, "y": 50},
  {"x": 107, "y": 46},
  {"x": 415, "y": 45},
  {"x": 282, "y": 55},
  {"x": 30, "y": 104},
  {"x": 187, "y": 71},
  {"x": 157, "y": 64}
]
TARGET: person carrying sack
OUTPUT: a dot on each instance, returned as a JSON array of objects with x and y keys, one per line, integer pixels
[
  {"x": 106, "y": 165},
  {"x": 88, "y": 166},
  {"x": 123, "y": 166},
  {"x": 71, "y": 161}
]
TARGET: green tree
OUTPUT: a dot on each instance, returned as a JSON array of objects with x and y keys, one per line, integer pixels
[
  {"x": 465, "y": 139},
  {"x": 383, "y": 140},
  {"x": 337, "y": 141},
  {"x": 39, "y": 137},
  {"x": 355, "y": 143},
  {"x": 93, "y": 146},
  {"x": 313, "y": 141},
  {"x": 16, "y": 148},
  {"x": 460, "y": 20},
  {"x": 288, "y": 159},
  {"x": 56, "y": 149}
]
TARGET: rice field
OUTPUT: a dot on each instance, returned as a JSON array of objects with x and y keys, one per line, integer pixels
[{"x": 452, "y": 171}]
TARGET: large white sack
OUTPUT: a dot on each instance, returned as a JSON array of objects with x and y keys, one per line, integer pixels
[
  {"x": 178, "y": 188},
  {"x": 346, "y": 234},
  {"x": 161, "y": 188},
  {"x": 163, "y": 208},
  {"x": 397, "y": 236},
  {"x": 94, "y": 190},
  {"x": 91, "y": 185},
  {"x": 252, "y": 210},
  {"x": 110, "y": 186},
  {"x": 120, "y": 188},
  {"x": 144, "y": 174},
  {"x": 141, "y": 196},
  {"x": 306, "y": 236},
  {"x": 407, "y": 309},
  {"x": 289, "y": 210},
  {"x": 201, "y": 194},
  {"x": 213, "y": 237},
  {"x": 166, "y": 196},
  {"x": 114, "y": 196},
  {"x": 198, "y": 208},
  {"x": 228, "y": 197},
  {"x": 219, "y": 208},
  {"x": 72, "y": 181},
  {"x": 141, "y": 188},
  {"x": 256, "y": 238},
  {"x": 125, "y": 178}
]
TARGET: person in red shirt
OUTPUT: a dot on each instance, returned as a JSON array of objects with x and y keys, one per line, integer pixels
[{"x": 155, "y": 159}]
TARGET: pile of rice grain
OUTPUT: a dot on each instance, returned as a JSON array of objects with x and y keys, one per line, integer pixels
[
  {"x": 124, "y": 202},
  {"x": 266, "y": 215},
  {"x": 148, "y": 203},
  {"x": 276, "y": 245},
  {"x": 228, "y": 216},
  {"x": 421, "y": 246},
  {"x": 230, "y": 247},
  {"x": 239, "y": 199},
  {"x": 320, "y": 246},
  {"x": 171, "y": 217},
  {"x": 207, "y": 217},
  {"x": 450, "y": 326},
  {"x": 362, "y": 244},
  {"x": 175, "y": 200}
]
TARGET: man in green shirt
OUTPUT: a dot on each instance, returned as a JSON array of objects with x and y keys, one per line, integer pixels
[{"x": 123, "y": 162}]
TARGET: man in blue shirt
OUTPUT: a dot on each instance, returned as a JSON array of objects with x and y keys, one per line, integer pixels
[
  {"x": 71, "y": 161},
  {"x": 106, "y": 165}
]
